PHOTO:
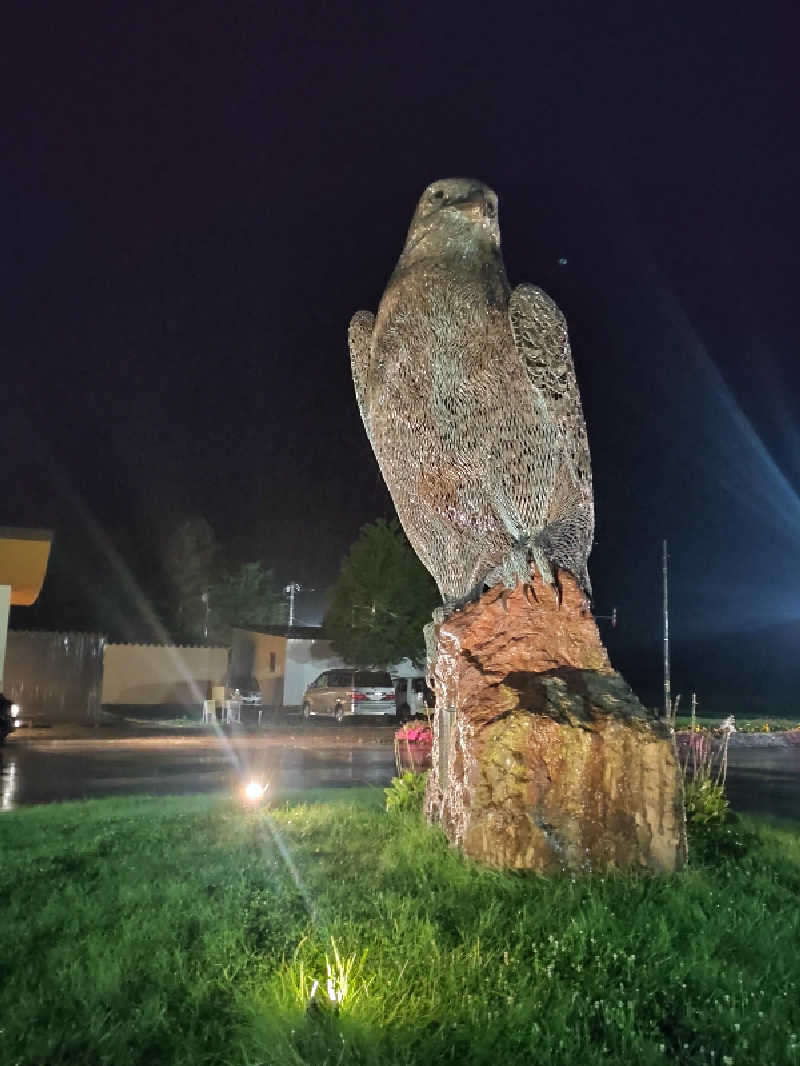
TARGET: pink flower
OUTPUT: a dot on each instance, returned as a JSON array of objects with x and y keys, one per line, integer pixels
[{"x": 415, "y": 735}]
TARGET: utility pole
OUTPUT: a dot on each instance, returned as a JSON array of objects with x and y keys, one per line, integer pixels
[
  {"x": 205, "y": 599},
  {"x": 665, "y": 575}
]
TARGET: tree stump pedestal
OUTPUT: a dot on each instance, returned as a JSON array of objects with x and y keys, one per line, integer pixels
[{"x": 543, "y": 758}]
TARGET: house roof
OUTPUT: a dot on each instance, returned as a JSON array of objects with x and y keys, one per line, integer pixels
[
  {"x": 23, "y": 562},
  {"x": 293, "y": 633},
  {"x": 162, "y": 644}
]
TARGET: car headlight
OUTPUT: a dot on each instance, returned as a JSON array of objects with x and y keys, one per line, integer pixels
[{"x": 15, "y": 710}]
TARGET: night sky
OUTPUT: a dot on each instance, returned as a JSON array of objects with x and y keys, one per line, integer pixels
[{"x": 195, "y": 198}]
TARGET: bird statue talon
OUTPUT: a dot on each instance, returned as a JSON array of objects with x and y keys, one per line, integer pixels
[
  {"x": 541, "y": 563},
  {"x": 429, "y": 633},
  {"x": 558, "y": 590}
]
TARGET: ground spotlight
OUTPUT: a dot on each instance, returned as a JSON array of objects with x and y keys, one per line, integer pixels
[{"x": 254, "y": 791}]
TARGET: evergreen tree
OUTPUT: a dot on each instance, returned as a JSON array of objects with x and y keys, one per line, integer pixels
[
  {"x": 381, "y": 600},
  {"x": 244, "y": 597},
  {"x": 191, "y": 563}
]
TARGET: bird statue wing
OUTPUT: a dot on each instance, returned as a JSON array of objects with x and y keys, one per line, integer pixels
[
  {"x": 540, "y": 337},
  {"x": 359, "y": 336}
]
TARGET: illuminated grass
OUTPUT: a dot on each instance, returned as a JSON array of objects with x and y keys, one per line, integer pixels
[{"x": 189, "y": 931}]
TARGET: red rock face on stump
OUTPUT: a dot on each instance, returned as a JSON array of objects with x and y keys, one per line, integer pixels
[{"x": 543, "y": 757}]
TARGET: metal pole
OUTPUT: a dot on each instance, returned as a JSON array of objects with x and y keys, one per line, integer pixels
[
  {"x": 667, "y": 699},
  {"x": 291, "y": 588},
  {"x": 5, "y": 607}
]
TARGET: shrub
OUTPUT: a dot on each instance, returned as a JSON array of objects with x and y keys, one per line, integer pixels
[
  {"x": 405, "y": 794},
  {"x": 715, "y": 834},
  {"x": 705, "y": 800}
]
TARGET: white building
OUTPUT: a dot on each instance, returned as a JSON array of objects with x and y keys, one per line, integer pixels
[{"x": 284, "y": 662}]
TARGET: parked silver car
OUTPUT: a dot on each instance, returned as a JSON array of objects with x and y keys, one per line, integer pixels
[{"x": 341, "y": 694}]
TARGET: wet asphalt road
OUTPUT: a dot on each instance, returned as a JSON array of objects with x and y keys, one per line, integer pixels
[
  {"x": 66, "y": 770},
  {"x": 765, "y": 781}
]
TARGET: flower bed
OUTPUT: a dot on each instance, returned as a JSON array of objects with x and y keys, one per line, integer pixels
[{"x": 412, "y": 748}]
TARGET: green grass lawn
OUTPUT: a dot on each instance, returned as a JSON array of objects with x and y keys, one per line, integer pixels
[{"x": 187, "y": 930}]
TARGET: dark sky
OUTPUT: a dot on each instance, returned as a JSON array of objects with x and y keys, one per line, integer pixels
[{"x": 194, "y": 199}]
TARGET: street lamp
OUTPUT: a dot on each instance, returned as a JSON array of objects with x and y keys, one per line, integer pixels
[
  {"x": 292, "y": 588},
  {"x": 205, "y": 600}
]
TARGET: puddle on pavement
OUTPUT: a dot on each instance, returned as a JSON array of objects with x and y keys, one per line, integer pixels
[{"x": 51, "y": 774}]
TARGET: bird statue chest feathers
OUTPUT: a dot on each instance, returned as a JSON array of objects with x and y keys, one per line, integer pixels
[{"x": 436, "y": 320}]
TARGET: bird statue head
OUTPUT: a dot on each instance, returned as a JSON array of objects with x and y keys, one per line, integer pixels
[{"x": 451, "y": 214}]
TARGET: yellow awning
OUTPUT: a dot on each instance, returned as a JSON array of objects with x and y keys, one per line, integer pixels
[{"x": 23, "y": 562}]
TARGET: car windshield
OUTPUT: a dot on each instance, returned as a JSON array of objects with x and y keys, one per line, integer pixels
[{"x": 372, "y": 679}]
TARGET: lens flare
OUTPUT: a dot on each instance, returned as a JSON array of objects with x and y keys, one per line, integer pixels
[{"x": 254, "y": 791}]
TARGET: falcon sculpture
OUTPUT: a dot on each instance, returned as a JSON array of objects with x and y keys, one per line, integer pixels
[{"x": 468, "y": 394}]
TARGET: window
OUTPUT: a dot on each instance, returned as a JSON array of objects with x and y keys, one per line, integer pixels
[
  {"x": 372, "y": 679},
  {"x": 272, "y": 662}
]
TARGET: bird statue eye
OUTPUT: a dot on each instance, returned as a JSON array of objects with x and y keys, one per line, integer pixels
[{"x": 438, "y": 194}]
